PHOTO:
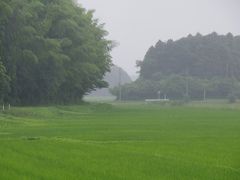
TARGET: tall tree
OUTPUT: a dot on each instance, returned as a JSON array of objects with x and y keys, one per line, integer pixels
[{"x": 53, "y": 51}]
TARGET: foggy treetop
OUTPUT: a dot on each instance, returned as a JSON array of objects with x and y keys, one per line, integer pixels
[{"x": 199, "y": 56}]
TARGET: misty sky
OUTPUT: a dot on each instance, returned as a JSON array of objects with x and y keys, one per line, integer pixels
[{"x": 138, "y": 24}]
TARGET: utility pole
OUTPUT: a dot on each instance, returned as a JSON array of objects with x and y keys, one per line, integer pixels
[
  {"x": 159, "y": 94},
  {"x": 187, "y": 87},
  {"x": 165, "y": 97},
  {"x": 227, "y": 70},
  {"x": 204, "y": 94},
  {"x": 187, "y": 83},
  {"x": 120, "y": 83}
]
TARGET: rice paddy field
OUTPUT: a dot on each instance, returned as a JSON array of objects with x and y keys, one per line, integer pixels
[{"x": 121, "y": 141}]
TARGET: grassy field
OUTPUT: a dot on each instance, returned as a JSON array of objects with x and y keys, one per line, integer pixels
[{"x": 121, "y": 141}]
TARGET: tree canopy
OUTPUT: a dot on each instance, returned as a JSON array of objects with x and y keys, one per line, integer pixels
[
  {"x": 194, "y": 67},
  {"x": 51, "y": 51},
  {"x": 200, "y": 56}
]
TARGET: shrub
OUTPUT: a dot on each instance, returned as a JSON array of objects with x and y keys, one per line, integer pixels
[{"x": 232, "y": 98}]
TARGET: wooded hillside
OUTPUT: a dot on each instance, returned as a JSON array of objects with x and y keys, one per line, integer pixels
[
  {"x": 199, "y": 56},
  {"x": 116, "y": 76},
  {"x": 195, "y": 67}
]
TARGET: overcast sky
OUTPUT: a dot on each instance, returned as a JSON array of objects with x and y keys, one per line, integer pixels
[{"x": 138, "y": 24}]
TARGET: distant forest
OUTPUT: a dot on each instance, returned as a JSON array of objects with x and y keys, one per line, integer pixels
[
  {"x": 50, "y": 52},
  {"x": 194, "y": 67},
  {"x": 115, "y": 77}
]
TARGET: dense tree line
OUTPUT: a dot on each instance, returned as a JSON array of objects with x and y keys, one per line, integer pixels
[
  {"x": 196, "y": 67},
  {"x": 51, "y": 51}
]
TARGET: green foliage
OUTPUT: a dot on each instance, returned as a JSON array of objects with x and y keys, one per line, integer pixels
[
  {"x": 196, "y": 67},
  {"x": 138, "y": 90},
  {"x": 199, "y": 56},
  {"x": 4, "y": 83},
  {"x": 232, "y": 98},
  {"x": 53, "y": 51}
]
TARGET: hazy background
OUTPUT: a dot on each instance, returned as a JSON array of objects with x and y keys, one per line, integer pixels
[{"x": 138, "y": 24}]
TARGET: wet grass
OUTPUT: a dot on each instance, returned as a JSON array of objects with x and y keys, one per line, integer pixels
[{"x": 120, "y": 141}]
